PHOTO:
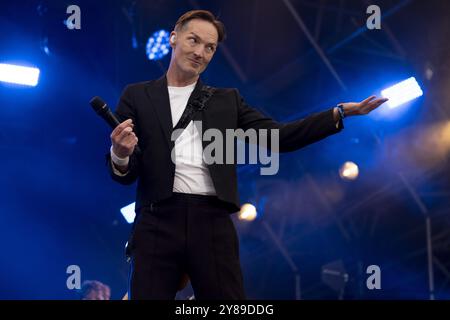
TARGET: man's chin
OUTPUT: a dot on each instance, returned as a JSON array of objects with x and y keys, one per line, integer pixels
[{"x": 193, "y": 71}]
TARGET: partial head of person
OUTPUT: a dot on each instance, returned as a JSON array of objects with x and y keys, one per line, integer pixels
[
  {"x": 94, "y": 290},
  {"x": 194, "y": 41}
]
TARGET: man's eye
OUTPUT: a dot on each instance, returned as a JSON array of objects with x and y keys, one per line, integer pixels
[{"x": 193, "y": 40}]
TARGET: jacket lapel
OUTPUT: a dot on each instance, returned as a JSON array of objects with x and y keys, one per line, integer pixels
[{"x": 159, "y": 96}]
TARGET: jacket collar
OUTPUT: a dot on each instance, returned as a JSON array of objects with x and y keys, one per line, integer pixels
[{"x": 159, "y": 96}]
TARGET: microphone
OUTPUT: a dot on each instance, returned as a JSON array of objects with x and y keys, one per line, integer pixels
[{"x": 102, "y": 109}]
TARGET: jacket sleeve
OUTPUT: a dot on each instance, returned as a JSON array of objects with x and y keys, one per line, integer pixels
[
  {"x": 125, "y": 110},
  {"x": 292, "y": 135}
]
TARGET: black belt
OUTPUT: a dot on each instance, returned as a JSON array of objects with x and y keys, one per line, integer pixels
[{"x": 190, "y": 198}]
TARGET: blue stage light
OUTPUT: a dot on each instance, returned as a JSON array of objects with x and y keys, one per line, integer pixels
[
  {"x": 158, "y": 45},
  {"x": 128, "y": 212},
  {"x": 19, "y": 74},
  {"x": 402, "y": 92}
]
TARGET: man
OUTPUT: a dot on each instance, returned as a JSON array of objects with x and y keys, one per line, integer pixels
[{"x": 183, "y": 207}]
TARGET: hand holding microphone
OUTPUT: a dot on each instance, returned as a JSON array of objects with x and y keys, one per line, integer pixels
[{"x": 123, "y": 139}]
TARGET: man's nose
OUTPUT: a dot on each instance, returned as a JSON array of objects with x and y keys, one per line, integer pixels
[{"x": 199, "y": 52}]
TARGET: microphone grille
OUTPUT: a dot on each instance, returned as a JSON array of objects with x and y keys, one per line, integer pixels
[{"x": 97, "y": 104}]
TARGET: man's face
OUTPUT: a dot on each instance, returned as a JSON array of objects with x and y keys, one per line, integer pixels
[{"x": 194, "y": 46}]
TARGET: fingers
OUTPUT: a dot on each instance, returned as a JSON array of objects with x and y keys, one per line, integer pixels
[
  {"x": 123, "y": 138},
  {"x": 368, "y": 100},
  {"x": 124, "y": 134},
  {"x": 130, "y": 140},
  {"x": 365, "y": 106},
  {"x": 127, "y": 137},
  {"x": 376, "y": 103},
  {"x": 125, "y": 124},
  {"x": 124, "y": 143},
  {"x": 379, "y": 102}
]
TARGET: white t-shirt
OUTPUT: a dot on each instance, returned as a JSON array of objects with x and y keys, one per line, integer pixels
[{"x": 191, "y": 172}]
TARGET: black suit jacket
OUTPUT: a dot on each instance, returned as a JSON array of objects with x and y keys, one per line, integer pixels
[{"x": 148, "y": 105}]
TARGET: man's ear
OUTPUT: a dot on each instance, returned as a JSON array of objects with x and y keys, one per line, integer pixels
[{"x": 173, "y": 39}]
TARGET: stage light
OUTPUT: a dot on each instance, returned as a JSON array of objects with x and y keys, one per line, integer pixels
[
  {"x": 247, "y": 212},
  {"x": 19, "y": 74},
  {"x": 402, "y": 92},
  {"x": 128, "y": 212},
  {"x": 349, "y": 171},
  {"x": 158, "y": 45}
]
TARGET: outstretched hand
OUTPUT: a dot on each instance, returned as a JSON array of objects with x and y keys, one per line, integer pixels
[{"x": 363, "y": 107}]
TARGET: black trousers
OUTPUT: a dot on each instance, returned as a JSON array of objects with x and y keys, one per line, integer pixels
[{"x": 186, "y": 234}]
